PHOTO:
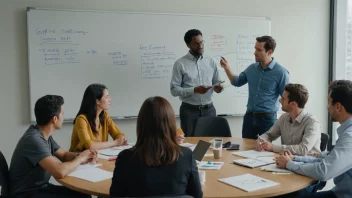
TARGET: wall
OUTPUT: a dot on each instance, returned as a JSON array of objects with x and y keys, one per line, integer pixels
[{"x": 300, "y": 28}]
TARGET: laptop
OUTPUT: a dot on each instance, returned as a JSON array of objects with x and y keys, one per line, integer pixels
[{"x": 200, "y": 150}]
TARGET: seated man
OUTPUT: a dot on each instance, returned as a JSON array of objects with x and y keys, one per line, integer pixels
[
  {"x": 33, "y": 161},
  {"x": 335, "y": 164},
  {"x": 299, "y": 130}
]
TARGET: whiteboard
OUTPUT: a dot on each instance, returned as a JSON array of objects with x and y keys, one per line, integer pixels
[{"x": 132, "y": 54}]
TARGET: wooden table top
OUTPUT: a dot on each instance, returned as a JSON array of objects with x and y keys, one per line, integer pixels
[{"x": 212, "y": 187}]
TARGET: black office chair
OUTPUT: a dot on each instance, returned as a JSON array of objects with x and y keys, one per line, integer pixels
[
  {"x": 323, "y": 144},
  {"x": 165, "y": 196},
  {"x": 324, "y": 141},
  {"x": 212, "y": 127},
  {"x": 4, "y": 176}
]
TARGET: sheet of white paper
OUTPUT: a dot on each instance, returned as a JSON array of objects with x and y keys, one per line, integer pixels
[
  {"x": 249, "y": 162},
  {"x": 269, "y": 160},
  {"x": 248, "y": 182},
  {"x": 87, "y": 166},
  {"x": 274, "y": 168},
  {"x": 92, "y": 175},
  {"x": 186, "y": 144},
  {"x": 105, "y": 157},
  {"x": 109, "y": 151},
  {"x": 128, "y": 146},
  {"x": 210, "y": 165},
  {"x": 253, "y": 153},
  {"x": 209, "y": 155}
]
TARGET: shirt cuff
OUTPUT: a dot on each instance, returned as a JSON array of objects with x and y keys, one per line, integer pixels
[
  {"x": 278, "y": 148},
  {"x": 298, "y": 158},
  {"x": 234, "y": 81}
]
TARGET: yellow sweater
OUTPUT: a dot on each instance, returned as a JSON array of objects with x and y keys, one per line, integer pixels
[{"x": 83, "y": 136}]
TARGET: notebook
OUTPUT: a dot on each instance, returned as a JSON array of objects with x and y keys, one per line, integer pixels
[
  {"x": 200, "y": 150},
  {"x": 274, "y": 168},
  {"x": 253, "y": 163},
  {"x": 253, "y": 153},
  {"x": 248, "y": 182}
]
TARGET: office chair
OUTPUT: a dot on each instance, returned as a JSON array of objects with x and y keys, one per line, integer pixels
[{"x": 212, "y": 127}]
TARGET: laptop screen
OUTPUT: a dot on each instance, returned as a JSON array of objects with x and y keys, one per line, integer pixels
[{"x": 200, "y": 150}]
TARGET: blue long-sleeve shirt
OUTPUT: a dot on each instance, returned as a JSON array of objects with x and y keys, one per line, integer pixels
[
  {"x": 337, "y": 164},
  {"x": 264, "y": 86}
]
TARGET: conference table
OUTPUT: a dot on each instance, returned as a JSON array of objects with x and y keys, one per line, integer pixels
[{"x": 212, "y": 187}]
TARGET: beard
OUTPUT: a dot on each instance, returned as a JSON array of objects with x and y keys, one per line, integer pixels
[{"x": 197, "y": 52}]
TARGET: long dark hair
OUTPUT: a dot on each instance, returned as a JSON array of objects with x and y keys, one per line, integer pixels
[
  {"x": 156, "y": 133},
  {"x": 93, "y": 93}
]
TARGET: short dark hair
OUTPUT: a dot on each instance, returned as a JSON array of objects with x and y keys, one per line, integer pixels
[
  {"x": 190, "y": 34},
  {"x": 47, "y": 107},
  {"x": 343, "y": 95},
  {"x": 297, "y": 93},
  {"x": 270, "y": 43},
  {"x": 156, "y": 133},
  {"x": 346, "y": 83}
]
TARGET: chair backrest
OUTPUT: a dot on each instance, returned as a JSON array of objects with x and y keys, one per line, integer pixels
[
  {"x": 324, "y": 141},
  {"x": 4, "y": 176},
  {"x": 212, "y": 127},
  {"x": 165, "y": 196}
]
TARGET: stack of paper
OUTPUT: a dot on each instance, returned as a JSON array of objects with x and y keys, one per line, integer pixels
[
  {"x": 248, "y": 182},
  {"x": 210, "y": 165}
]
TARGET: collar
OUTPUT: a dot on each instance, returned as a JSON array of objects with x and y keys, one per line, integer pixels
[
  {"x": 271, "y": 65},
  {"x": 193, "y": 57},
  {"x": 344, "y": 126}
]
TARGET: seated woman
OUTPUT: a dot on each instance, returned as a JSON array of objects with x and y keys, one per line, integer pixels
[
  {"x": 93, "y": 124},
  {"x": 156, "y": 165}
]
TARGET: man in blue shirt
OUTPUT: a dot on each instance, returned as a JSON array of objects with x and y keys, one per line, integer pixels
[
  {"x": 266, "y": 81},
  {"x": 336, "y": 163},
  {"x": 193, "y": 78}
]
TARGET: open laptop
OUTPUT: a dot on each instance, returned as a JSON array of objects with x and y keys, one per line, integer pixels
[{"x": 200, "y": 150}]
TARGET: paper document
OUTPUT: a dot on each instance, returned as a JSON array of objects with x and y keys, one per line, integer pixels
[
  {"x": 189, "y": 145},
  {"x": 253, "y": 153},
  {"x": 210, "y": 165},
  {"x": 87, "y": 166},
  {"x": 248, "y": 182},
  {"x": 106, "y": 157},
  {"x": 274, "y": 168},
  {"x": 252, "y": 163},
  {"x": 128, "y": 146},
  {"x": 92, "y": 174},
  {"x": 109, "y": 152}
]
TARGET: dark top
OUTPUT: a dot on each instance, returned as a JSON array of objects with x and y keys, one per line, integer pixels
[
  {"x": 25, "y": 172},
  {"x": 135, "y": 179}
]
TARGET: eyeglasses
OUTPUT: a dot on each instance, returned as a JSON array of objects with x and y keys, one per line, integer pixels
[{"x": 198, "y": 43}]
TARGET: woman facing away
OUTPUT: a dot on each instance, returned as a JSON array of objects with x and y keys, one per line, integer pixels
[
  {"x": 93, "y": 124},
  {"x": 156, "y": 165}
]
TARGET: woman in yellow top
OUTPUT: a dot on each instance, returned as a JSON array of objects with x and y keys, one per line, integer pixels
[{"x": 93, "y": 123}]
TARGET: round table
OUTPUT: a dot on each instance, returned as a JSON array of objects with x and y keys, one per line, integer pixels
[{"x": 212, "y": 187}]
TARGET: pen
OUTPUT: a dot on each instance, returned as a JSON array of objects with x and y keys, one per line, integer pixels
[
  {"x": 223, "y": 58},
  {"x": 275, "y": 173}
]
